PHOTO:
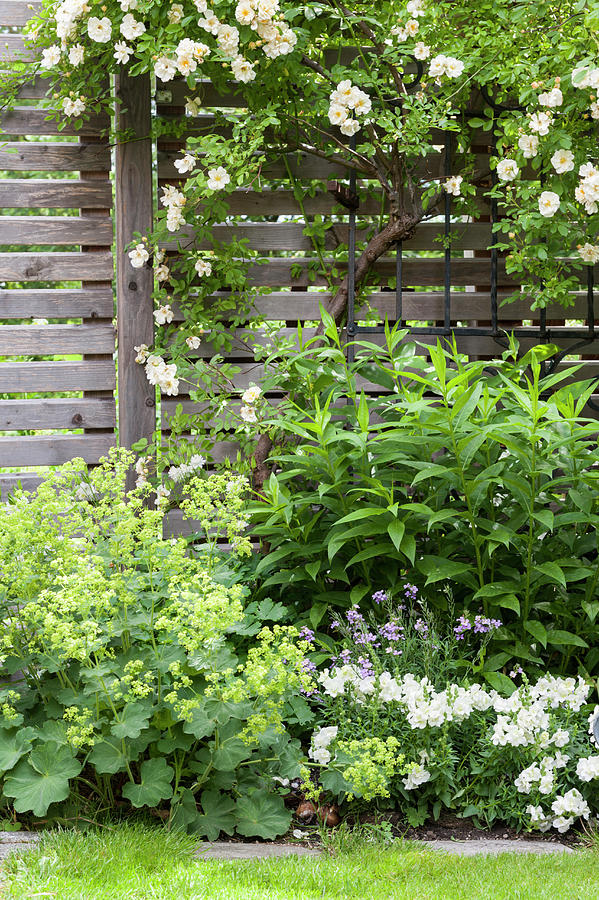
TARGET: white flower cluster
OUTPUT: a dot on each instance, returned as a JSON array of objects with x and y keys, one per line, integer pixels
[
  {"x": 158, "y": 371},
  {"x": 586, "y": 77},
  {"x": 188, "y": 55},
  {"x": 344, "y": 98},
  {"x": 589, "y": 253},
  {"x": 587, "y": 768},
  {"x": 587, "y": 191},
  {"x": 321, "y": 739},
  {"x": 180, "y": 473},
  {"x": 139, "y": 256},
  {"x": 276, "y": 37},
  {"x": 249, "y": 397},
  {"x": 541, "y": 774},
  {"x": 523, "y": 718},
  {"x": 445, "y": 65},
  {"x": 73, "y": 107},
  {"x": 418, "y": 774},
  {"x": 174, "y": 200},
  {"x": 564, "y": 809}
]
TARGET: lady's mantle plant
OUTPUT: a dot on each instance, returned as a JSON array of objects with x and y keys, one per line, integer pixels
[
  {"x": 377, "y": 111},
  {"x": 119, "y": 678},
  {"x": 428, "y": 742}
]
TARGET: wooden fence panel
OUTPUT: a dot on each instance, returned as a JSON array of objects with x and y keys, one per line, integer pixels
[
  {"x": 56, "y": 263},
  {"x": 57, "y": 341}
]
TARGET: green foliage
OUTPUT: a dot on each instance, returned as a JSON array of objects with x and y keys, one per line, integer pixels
[
  {"x": 477, "y": 476},
  {"x": 120, "y": 646}
]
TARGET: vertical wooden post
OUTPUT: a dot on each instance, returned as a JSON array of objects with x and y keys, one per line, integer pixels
[{"x": 133, "y": 212}]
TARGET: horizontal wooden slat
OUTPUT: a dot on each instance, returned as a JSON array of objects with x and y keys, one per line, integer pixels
[
  {"x": 55, "y": 230},
  {"x": 30, "y": 193},
  {"x": 36, "y": 89},
  {"x": 96, "y": 303},
  {"x": 280, "y": 202},
  {"x": 46, "y": 340},
  {"x": 56, "y": 266},
  {"x": 29, "y": 120},
  {"x": 17, "y": 12},
  {"x": 302, "y": 166},
  {"x": 35, "y": 415},
  {"x": 289, "y": 236},
  {"x": 28, "y": 481},
  {"x": 53, "y": 450},
  {"x": 417, "y": 305},
  {"x": 416, "y": 272},
  {"x": 12, "y": 49},
  {"x": 33, "y": 156},
  {"x": 49, "y": 377},
  {"x": 242, "y": 340}
]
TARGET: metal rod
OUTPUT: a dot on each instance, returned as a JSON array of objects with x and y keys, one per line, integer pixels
[
  {"x": 351, "y": 267},
  {"x": 447, "y": 303},
  {"x": 591, "y": 301},
  {"x": 494, "y": 209},
  {"x": 398, "y": 283}
]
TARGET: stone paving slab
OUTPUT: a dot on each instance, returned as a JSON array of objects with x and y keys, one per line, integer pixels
[
  {"x": 13, "y": 841},
  {"x": 224, "y": 850},
  {"x": 493, "y": 847}
]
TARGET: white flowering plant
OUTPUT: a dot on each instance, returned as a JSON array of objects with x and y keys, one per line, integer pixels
[
  {"x": 121, "y": 680},
  {"x": 428, "y": 743},
  {"x": 377, "y": 110}
]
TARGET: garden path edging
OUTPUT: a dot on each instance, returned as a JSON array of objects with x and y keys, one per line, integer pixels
[{"x": 13, "y": 841}]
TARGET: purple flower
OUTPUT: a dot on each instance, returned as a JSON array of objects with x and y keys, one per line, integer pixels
[
  {"x": 410, "y": 591},
  {"x": 308, "y": 666},
  {"x": 306, "y": 634},
  {"x": 483, "y": 625},
  {"x": 462, "y": 627},
  {"x": 354, "y": 616},
  {"x": 334, "y": 624},
  {"x": 380, "y": 597},
  {"x": 421, "y": 627},
  {"x": 392, "y": 631}
]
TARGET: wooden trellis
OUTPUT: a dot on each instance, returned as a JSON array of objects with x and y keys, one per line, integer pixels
[{"x": 70, "y": 177}]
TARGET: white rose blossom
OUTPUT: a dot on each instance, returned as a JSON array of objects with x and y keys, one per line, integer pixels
[
  {"x": 186, "y": 164},
  {"x": 453, "y": 185},
  {"x": 562, "y": 161},
  {"x": 529, "y": 144},
  {"x": 548, "y": 203},
  {"x": 99, "y": 30},
  {"x": 139, "y": 256},
  {"x": 218, "y": 179},
  {"x": 507, "y": 169}
]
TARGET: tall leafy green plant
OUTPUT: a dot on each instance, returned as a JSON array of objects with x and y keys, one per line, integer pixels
[{"x": 477, "y": 478}]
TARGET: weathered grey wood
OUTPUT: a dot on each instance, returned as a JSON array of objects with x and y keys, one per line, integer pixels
[
  {"x": 55, "y": 230},
  {"x": 303, "y": 166},
  {"x": 53, "y": 450},
  {"x": 35, "y": 415},
  {"x": 137, "y": 412},
  {"x": 25, "y": 480},
  {"x": 68, "y": 266},
  {"x": 17, "y": 12},
  {"x": 30, "y": 193},
  {"x": 269, "y": 236},
  {"x": 36, "y": 89},
  {"x": 49, "y": 377},
  {"x": 417, "y": 305},
  {"x": 47, "y": 340},
  {"x": 12, "y": 49},
  {"x": 416, "y": 272},
  {"x": 281, "y": 202},
  {"x": 94, "y": 303},
  {"x": 34, "y": 156},
  {"x": 25, "y": 120}
]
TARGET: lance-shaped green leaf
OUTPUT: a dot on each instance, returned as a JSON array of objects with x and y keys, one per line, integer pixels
[{"x": 42, "y": 779}]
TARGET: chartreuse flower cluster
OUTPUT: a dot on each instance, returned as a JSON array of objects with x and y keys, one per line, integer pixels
[{"x": 124, "y": 644}]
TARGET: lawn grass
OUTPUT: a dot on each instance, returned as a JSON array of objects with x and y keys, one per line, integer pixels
[{"x": 141, "y": 863}]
